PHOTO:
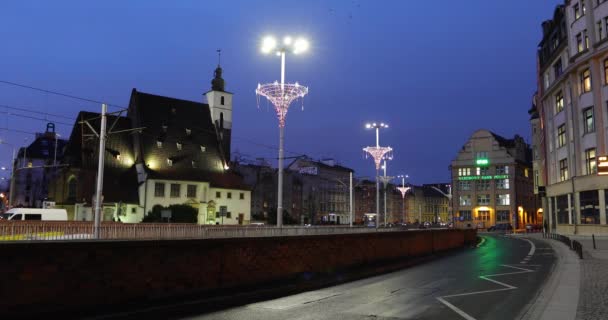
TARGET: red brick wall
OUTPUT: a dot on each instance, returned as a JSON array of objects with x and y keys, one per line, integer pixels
[{"x": 66, "y": 275}]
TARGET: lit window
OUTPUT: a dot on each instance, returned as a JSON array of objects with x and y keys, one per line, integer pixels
[
  {"x": 590, "y": 162},
  {"x": 169, "y": 162},
  {"x": 179, "y": 146},
  {"x": 579, "y": 42},
  {"x": 563, "y": 170},
  {"x": 561, "y": 135},
  {"x": 159, "y": 143},
  {"x": 504, "y": 199},
  {"x": 588, "y": 125},
  {"x": 188, "y": 132},
  {"x": 483, "y": 215},
  {"x": 586, "y": 39},
  {"x": 164, "y": 127},
  {"x": 586, "y": 81},
  {"x": 559, "y": 102},
  {"x": 203, "y": 149},
  {"x": 502, "y": 170},
  {"x": 577, "y": 11},
  {"x": 483, "y": 199},
  {"x": 502, "y": 184},
  {"x": 465, "y": 200}
]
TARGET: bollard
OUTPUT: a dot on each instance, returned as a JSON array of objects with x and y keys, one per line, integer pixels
[{"x": 593, "y": 237}]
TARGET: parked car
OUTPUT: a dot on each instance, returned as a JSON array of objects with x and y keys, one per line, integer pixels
[
  {"x": 501, "y": 227},
  {"x": 36, "y": 214}
]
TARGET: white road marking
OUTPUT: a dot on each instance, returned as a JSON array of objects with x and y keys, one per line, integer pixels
[{"x": 485, "y": 277}]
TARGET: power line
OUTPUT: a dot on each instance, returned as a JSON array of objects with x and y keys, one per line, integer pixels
[
  {"x": 17, "y": 130},
  {"x": 34, "y": 118},
  {"x": 59, "y": 94},
  {"x": 36, "y": 112}
]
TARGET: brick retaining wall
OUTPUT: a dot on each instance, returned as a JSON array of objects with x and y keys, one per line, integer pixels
[{"x": 56, "y": 276}]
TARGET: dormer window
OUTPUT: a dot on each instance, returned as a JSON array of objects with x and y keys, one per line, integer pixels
[
  {"x": 179, "y": 146},
  {"x": 188, "y": 132},
  {"x": 159, "y": 143},
  {"x": 193, "y": 164},
  {"x": 203, "y": 149},
  {"x": 164, "y": 126},
  {"x": 169, "y": 162}
]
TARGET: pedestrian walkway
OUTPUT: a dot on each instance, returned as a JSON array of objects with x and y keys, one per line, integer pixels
[
  {"x": 593, "y": 300},
  {"x": 577, "y": 289}
]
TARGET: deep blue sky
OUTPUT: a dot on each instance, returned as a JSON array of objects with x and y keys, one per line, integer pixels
[{"x": 434, "y": 70}]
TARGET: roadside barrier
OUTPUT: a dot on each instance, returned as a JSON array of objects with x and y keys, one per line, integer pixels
[{"x": 572, "y": 244}]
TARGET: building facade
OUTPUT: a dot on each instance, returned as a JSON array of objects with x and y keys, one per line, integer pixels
[
  {"x": 34, "y": 167},
  {"x": 569, "y": 118},
  {"x": 493, "y": 182},
  {"x": 164, "y": 152}
]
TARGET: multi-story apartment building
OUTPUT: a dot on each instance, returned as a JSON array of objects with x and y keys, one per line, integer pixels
[
  {"x": 492, "y": 182},
  {"x": 570, "y": 117},
  {"x": 34, "y": 167}
]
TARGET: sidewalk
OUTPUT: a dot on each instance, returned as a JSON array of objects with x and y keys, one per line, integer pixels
[
  {"x": 558, "y": 298},
  {"x": 593, "y": 301},
  {"x": 577, "y": 289}
]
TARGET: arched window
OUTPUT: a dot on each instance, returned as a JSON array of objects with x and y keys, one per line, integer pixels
[
  {"x": 221, "y": 120},
  {"x": 72, "y": 188},
  {"x": 222, "y": 100}
]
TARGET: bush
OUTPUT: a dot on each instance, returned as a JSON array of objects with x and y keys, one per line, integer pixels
[{"x": 180, "y": 213}]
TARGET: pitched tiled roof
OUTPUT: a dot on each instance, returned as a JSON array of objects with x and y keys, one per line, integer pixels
[{"x": 504, "y": 142}]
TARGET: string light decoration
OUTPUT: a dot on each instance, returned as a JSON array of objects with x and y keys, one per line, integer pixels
[{"x": 281, "y": 97}]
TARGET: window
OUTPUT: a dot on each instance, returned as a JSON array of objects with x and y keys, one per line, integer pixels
[
  {"x": 583, "y": 6},
  {"x": 222, "y": 100},
  {"x": 159, "y": 144},
  {"x": 188, "y": 132},
  {"x": 482, "y": 155},
  {"x": 588, "y": 124},
  {"x": 229, "y": 195},
  {"x": 561, "y": 135},
  {"x": 191, "y": 191},
  {"x": 483, "y": 215},
  {"x": 242, "y": 196},
  {"x": 502, "y": 170},
  {"x": 600, "y": 34},
  {"x": 179, "y": 146},
  {"x": 482, "y": 171},
  {"x": 483, "y": 199},
  {"x": 504, "y": 199},
  {"x": 586, "y": 36},
  {"x": 563, "y": 169},
  {"x": 502, "y": 184},
  {"x": 557, "y": 69},
  {"x": 203, "y": 149},
  {"x": 590, "y": 162},
  {"x": 546, "y": 80},
  {"x": 159, "y": 189},
  {"x": 464, "y": 185},
  {"x": 175, "y": 190},
  {"x": 133, "y": 210},
  {"x": 502, "y": 215},
  {"x": 590, "y": 208},
  {"x": 606, "y": 70},
  {"x": 464, "y": 172},
  {"x": 228, "y": 214},
  {"x": 586, "y": 81},
  {"x": 536, "y": 178},
  {"x": 483, "y": 185},
  {"x": 169, "y": 162},
  {"x": 579, "y": 42},
  {"x": 526, "y": 172},
  {"x": 218, "y": 194},
  {"x": 559, "y": 102},
  {"x": 193, "y": 164},
  {"x": 562, "y": 209},
  {"x": 465, "y": 200},
  {"x": 465, "y": 214},
  {"x": 577, "y": 11}
]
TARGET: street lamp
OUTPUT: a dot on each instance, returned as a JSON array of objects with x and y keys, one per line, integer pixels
[
  {"x": 403, "y": 189},
  {"x": 378, "y": 154},
  {"x": 281, "y": 96},
  {"x": 385, "y": 180},
  {"x": 11, "y": 187}
]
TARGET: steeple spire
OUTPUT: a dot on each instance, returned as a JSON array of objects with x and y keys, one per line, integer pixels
[{"x": 217, "y": 84}]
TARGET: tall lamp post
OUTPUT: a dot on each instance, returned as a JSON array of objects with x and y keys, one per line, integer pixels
[
  {"x": 281, "y": 95},
  {"x": 385, "y": 180},
  {"x": 12, "y": 183},
  {"x": 378, "y": 154},
  {"x": 403, "y": 189}
]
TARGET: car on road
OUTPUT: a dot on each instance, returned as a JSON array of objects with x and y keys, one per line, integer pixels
[{"x": 501, "y": 227}]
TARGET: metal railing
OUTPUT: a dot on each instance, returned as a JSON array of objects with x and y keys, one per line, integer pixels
[
  {"x": 72, "y": 230},
  {"x": 572, "y": 244}
]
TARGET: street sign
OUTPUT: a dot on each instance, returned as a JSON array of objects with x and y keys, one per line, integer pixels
[{"x": 223, "y": 211}]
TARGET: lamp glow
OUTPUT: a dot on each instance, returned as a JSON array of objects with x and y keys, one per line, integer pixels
[
  {"x": 268, "y": 44},
  {"x": 287, "y": 41},
  {"x": 301, "y": 45}
]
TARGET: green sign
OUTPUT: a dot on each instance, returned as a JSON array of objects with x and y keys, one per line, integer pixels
[
  {"x": 497, "y": 177},
  {"x": 482, "y": 162}
]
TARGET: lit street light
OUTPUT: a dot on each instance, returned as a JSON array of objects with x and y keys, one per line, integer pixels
[
  {"x": 378, "y": 154},
  {"x": 281, "y": 96},
  {"x": 403, "y": 189}
]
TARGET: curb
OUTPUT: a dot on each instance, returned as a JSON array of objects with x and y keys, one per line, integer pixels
[{"x": 558, "y": 297}]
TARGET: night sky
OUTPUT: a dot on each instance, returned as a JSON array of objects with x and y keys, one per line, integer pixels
[{"x": 436, "y": 71}]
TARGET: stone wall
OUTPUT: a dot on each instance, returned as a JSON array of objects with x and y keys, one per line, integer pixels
[{"x": 56, "y": 276}]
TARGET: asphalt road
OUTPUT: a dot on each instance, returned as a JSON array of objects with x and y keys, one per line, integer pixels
[{"x": 497, "y": 280}]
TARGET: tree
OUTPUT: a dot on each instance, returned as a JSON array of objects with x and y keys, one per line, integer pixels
[
  {"x": 180, "y": 213},
  {"x": 287, "y": 218}
]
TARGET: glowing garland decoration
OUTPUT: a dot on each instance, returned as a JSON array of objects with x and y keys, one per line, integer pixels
[
  {"x": 281, "y": 96},
  {"x": 403, "y": 190},
  {"x": 386, "y": 179},
  {"x": 377, "y": 153}
]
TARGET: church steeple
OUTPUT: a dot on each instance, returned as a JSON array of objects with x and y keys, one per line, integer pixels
[{"x": 217, "y": 84}]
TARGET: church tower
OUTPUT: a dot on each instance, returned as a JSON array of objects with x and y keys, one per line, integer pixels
[{"x": 220, "y": 107}]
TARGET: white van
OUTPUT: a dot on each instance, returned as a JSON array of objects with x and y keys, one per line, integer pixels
[{"x": 36, "y": 214}]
